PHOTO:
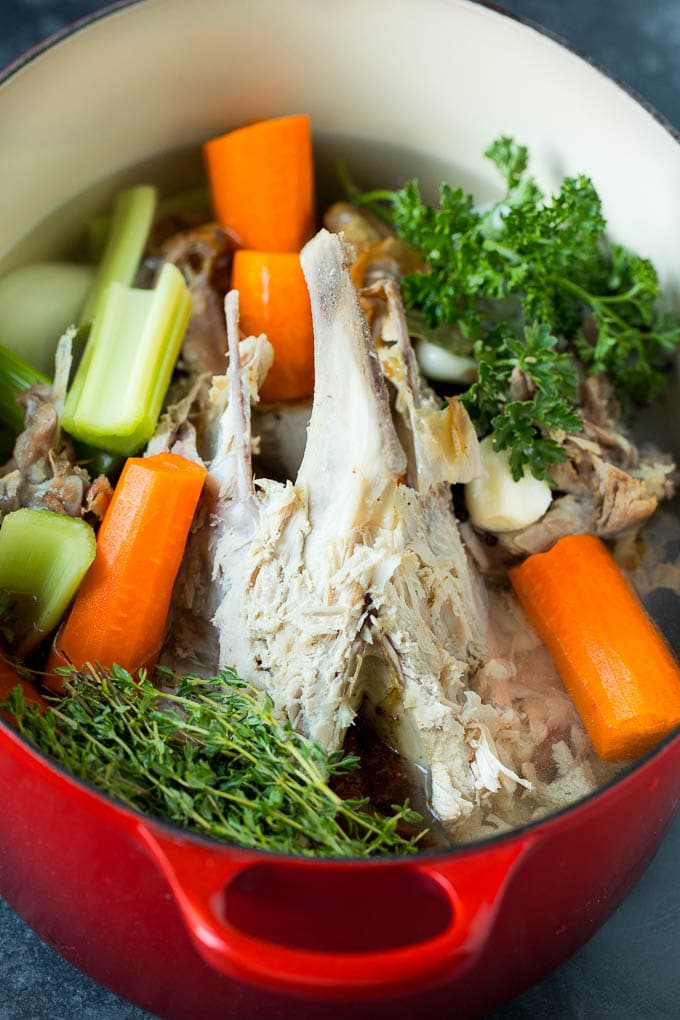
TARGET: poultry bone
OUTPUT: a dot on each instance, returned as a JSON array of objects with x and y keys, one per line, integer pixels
[{"x": 351, "y": 587}]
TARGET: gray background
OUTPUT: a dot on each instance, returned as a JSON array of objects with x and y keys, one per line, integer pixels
[{"x": 631, "y": 969}]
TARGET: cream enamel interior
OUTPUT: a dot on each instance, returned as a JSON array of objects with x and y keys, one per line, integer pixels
[{"x": 441, "y": 76}]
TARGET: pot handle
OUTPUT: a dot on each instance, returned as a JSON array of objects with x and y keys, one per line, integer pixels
[{"x": 473, "y": 884}]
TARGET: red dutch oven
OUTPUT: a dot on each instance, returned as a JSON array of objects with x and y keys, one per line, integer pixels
[
  {"x": 188, "y": 927},
  {"x": 192, "y": 928}
]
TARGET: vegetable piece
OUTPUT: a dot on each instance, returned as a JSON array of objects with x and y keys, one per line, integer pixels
[
  {"x": 262, "y": 183},
  {"x": 193, "y": 201},
  {"x": 274, "y": 300},
  {"x": 130, "y": 225},
  {"x": 496, "y": 502},
  {"x": 99, "y": 462},
  {"x": 37, "y": 303},
  {"x": 210, "y": 756},
  {"x": 97, "y": 232},
  {"x": 121, "y": 610},
  {"x": 121, "y": 382},
  {"x": 437, "y": 363},
  {"x": 43, "y": 559},
  {"x": 16, "y": 375},
  {"x": 616, "y": 666}
]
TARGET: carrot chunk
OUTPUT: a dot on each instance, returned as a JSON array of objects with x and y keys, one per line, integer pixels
[
  {"x": 120, "y": 612},
  {"x": 620, "y": 673},
  {"x": 262, "y": 183},
  {"x": 273, "y": 299}
]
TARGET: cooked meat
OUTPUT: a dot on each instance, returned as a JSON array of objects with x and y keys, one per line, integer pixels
[
  {"x": 610, "y": 487},
  {"x": 295, "y": 602},
  {"x": 621, "y": 501},
  {"x": 43, "y": 473},
  {"x": 377, "y": 256},
  {"x": 355, "y": 586},
  {"x": 203, "y": 255},
  {"x": 98, "y": 497},
  {"x": 358, "y": 228},
  {"x": 440, "y": 442},
  {"x": 192, "y": 640}
]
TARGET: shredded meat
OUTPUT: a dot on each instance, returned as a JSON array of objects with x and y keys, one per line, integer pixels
[
  {"x": 346, "y": 592},
  {"x": 609, "y": 487},
  {"x": 203, "y": 255},
  {"x": 98, "y": 497},
  {"x": 43, "y": 473},
  {"x": 191, "y": 642}
]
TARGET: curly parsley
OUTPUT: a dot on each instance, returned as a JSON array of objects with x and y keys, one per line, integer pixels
[
  {"x": 523, "y": 426},
  {"x": 518, "y": 280}
]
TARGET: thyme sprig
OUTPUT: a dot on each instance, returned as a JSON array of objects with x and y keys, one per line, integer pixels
[{"x": 209, "y": 755}]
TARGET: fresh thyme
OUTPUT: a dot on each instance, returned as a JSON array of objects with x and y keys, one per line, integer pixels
[{"x": 209, "y": 755}]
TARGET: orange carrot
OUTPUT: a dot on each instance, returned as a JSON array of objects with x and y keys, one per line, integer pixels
[
  {"x": 262, "y": 183},
  {"x": 616, "y": 666},
  {"x": 9, "y": 679},
  {"x": 120, "y": 612},
  {"x": 273, "y": 299}
]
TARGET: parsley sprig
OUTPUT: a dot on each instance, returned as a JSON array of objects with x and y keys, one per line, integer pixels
[
  {"x": 523, "y": 426},
  {"x": 530, "y": 267},
  {"x": 209, "y": 755}
]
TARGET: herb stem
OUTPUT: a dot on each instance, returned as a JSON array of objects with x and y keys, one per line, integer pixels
[{"x": 210, "y": 755}]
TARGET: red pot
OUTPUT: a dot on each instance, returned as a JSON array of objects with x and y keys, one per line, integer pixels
[{"x": 190, "y": 928}]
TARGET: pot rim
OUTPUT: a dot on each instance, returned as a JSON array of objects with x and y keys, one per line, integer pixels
[{"x": 211, "y": 842}]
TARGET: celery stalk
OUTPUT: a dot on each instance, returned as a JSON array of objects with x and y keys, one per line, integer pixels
[
  {"x": 194, "y": 199},
  {"x": 121, "y": 382},
  {"x": 97, "y": 233},
  {"x": 132, "y": 217},
  {"x": 98, "y": 462},
  {"x": 43, "y": 559},
  {"x": 16, "y": 375}
]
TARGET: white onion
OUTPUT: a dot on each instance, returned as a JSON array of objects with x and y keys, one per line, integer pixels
[
  {"x": 496, "y": 502},
  {"x": 439, "y": 364}
]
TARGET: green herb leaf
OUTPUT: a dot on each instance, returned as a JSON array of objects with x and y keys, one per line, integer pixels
[
  {"x": 523, "y": 426},
  {"x": 209, "y": 755},
  {"x": 537, "y": 264}
]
